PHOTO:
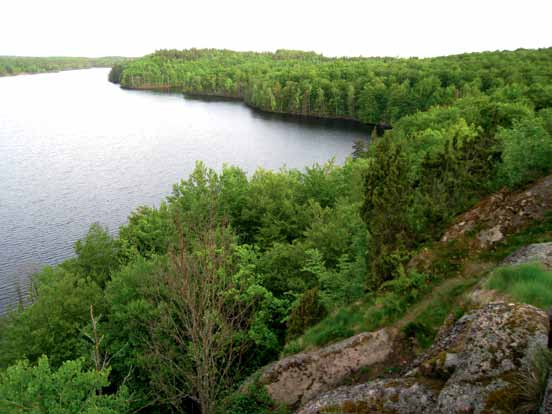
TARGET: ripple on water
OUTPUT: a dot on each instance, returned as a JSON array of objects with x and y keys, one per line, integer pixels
[{"x": 75, "y": 149}]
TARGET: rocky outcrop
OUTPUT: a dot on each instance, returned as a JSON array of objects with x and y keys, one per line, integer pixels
[
  {"x": 473, "y": 367},
  {"x": 297, "y": 379},
  {"x": 405, "y": 395},
  {"x": 503, "y": 213},
  {"x": 539, "y": 252}
]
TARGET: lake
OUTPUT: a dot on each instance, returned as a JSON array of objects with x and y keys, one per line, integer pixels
[{"x": 76, "y": 149}]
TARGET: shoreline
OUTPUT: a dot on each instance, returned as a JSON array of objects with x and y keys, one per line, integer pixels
[
  {"x": 348, "y": 121},
  {"x": 11, "y": 75}
]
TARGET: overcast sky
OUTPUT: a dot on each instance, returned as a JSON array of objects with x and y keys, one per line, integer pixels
[{"x": 335, "y": 28}]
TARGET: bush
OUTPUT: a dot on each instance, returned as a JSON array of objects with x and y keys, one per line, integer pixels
[
  {"x": 253, "y": 400},
  {"x": 97, "y": 254},
  {"x": 527, "y": 153},
  {"x": 68, "y": 390},
  {"x": 307, "y": 311},
  {"x": 53, "y": 324}
]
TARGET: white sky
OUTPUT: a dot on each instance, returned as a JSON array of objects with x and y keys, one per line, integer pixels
[{"x": 338, "y": 27}]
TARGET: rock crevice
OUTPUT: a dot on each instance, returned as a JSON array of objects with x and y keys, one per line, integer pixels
[{"x": 473, "y": 367}]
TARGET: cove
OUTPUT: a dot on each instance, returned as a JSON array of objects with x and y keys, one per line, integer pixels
[{"x": 76, "y": 149}]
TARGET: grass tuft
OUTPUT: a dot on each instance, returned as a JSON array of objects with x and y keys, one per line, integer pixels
[{"x": 528, "y": 283}]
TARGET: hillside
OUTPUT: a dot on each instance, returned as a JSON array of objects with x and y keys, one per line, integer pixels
[
  {"x": 236, "y": 270},
  {"x": 476, "y": 355}
]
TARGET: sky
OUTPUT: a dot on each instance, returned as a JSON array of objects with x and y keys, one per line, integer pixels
[{"x": 335, "y": 28}]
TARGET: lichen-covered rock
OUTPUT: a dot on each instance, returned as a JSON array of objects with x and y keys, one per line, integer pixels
[
  {"x": 472, "y": 367},
  {"x": 490, "y": 236},
  {"x": 538, "y": 252},
  {"x": 297, "y": 379},
  {"x": 382, "y": 396},
  {"x": 503, "y": 213}
]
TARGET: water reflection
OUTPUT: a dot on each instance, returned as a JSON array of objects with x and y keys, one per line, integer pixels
[{"x": 75, "y": 149}]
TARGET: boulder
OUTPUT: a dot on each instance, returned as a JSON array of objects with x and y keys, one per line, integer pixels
[
  {"x": 473, "y": 367},
  {"x": 491, "y": 236},
  {"x": 297, "y": 379},
  {"x": 502, "y": 213},
  {"x": 405, "y": 395},
  {"x": 538, "y": 252}
]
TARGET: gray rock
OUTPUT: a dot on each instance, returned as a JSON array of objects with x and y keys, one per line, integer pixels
[
  {"x": 490, "y": 236},
  {"x": 539, "y": 252},
  {"x": 471, "y": 368},
  {"x": 297, "y": 379},
  {"x": 382, "y": 396}
]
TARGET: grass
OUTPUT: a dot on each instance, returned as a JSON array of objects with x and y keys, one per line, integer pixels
[
  {"x": 422, "y": 303},
  {"x": 428, "y": 316},
  {"x": 528, "y": 283},
  {"x": 530, "y": 383},
  {"x": 432, "y": 300}
]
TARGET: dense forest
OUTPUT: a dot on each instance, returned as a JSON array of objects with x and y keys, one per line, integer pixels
[
  {"x": 370, "y": 90},
  {"x": 15, "y": 65},
  {"x": 236, "y": 268}
]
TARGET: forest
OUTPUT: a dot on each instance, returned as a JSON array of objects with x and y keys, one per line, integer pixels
[
  {"x": 15, "y": 65},
  {"x": 235, "y": 269},
  {"x": 369, "y": 90}
]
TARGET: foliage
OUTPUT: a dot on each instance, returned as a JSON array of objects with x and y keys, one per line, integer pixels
[
  {"x": 53, "y": 325},
  {"x": 527, "y": 152},
  {"x": 375, "y": 311},
  {"x": 131, "y": 311},
  {"x": 282, "y": 261},
  {"x": 69, "y": 389},
  {"x": 370, "y": 90},
  {"x": 146, "y": 234},
  {"x": 307, "y": 311},
  {"x": 14, "y": 65},
  {"x": 97, "y": 255},
  {"x": 253, "y": 399},
  {"x": 205, "y": 313},
  {"x": 442, "y": 303},
  {"x": 385, "y": 210}
]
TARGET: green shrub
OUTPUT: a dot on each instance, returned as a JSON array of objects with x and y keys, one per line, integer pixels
[
  {"x": 421, "y": 332},
  {"x": 527, "y": 153},
  {"x": 54, "y": 323},
  {"x": 254, "y": 399},
  {"x": 306, "y": 312},
  {"x": 97, "y": 254},
  {"x": 68, "y": 390}
]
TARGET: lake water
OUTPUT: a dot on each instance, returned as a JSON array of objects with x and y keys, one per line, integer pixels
[{"x": 76, "y": 149}]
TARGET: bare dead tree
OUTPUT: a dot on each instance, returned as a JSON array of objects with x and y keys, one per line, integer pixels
[
  {"x": 196, "y": 345},
  {"x": 100, "y": 361}
]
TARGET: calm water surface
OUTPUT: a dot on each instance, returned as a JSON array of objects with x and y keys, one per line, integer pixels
[{"x": 76, "y": 149}]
